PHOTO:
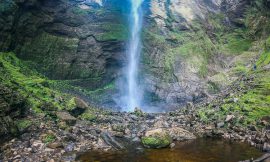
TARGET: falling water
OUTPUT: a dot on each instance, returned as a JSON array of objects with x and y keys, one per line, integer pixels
[{"x": 134, "y": 94}]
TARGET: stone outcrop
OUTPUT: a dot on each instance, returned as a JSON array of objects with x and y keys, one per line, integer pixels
[
  {"x": 176, "y": 70},
  {"x": 65, "y": 39}
]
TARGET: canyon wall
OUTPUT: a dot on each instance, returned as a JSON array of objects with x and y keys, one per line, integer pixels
[{"x": 192, "y": 49}]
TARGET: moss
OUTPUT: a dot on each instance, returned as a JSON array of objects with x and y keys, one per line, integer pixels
[
  {"x": 264, "y": 59},
  {"x": 252, "y": 105},
  {"x": 78, "y": 11},
  {"x": 46, "y": 50},
  {"x": 236, "y": 44},
  {"x": 15, "y": 74},
  {"x": 118, "y": 32},
  {"x": 49, "y": 138},
  {"x": 89, "y": 116},
  {"x": 267, "y": 44},
  {"x": 71, "y": 104},
  {"x": 14, "y": 130},
  {"x": 213, "y": 87},
  {"x": 156, "y": 142},
  {"x": 138, "y": 112},
  {"x": 23, "y": 124},
  {"x": 240, "y": 70}
]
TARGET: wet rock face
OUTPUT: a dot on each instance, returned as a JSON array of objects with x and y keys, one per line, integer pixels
[
  {"x": 170, "y": 75},
  {"x": 86, "y": 40},
  {"x": 65, "y": 39}
]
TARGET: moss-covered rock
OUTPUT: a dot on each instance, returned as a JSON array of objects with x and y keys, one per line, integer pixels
[
  {"x": 113, "y": 32},
  {"x": 76, "y": 106},
  {"x": 50, "y": 53},
  {"x": 13, "y": 105},
  {"x": 15, "y": 74},
  {"x": 48, "y": 138},
  {"x": 138, "y": 112},
  {"x": 158, "y": 138},
  {"x": 23, "y": 124},
  {"x": 89, "y": 115}
]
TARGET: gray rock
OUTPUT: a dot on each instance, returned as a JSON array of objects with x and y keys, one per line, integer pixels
[
  {"x": 266, "y": 147},
  {"x": 66, "y": 117},
  {"x": 229, "y": 118},
  {"x": 108, "y": 139},
  {"x": 220, "y": 124},
  {"x": 69, "y": 147}
]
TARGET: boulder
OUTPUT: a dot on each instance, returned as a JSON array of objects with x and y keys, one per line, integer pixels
[
  {"x": 229, "y": 118},
  {"x": 80, "y": 103},
  {"x": 66, "y": 117},
  {"x": 158, "y": 138},
  {"x": 77, "y": 106},
  {"x": 266, "y": 147},
  {"x": 220, "y": 124},
  {"x": 119, "y": 127},
  {"x": 180, "y": 134},
  {"x": 111, "y": 141},
  {"x": 138, "y": 112}
]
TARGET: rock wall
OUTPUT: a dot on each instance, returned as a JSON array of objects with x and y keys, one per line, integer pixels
[
  {"x": 181, "y": 52},
  {"x": 186, "y": 53},
  {"x": 66, "y": 39}
]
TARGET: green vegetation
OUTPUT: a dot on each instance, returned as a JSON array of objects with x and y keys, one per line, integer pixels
[
  {"x": 117, "y": 32},
  {"x": 237, "y": 44},
  {"x": 16, "y": 75},
  {"x": 78, "y": 11},
  {"x": 71, "y": 104},
  {"x": 94, "y": 94},
  {"x": 46, "y": 52},
  {"x": 264, "y": 59},
  {"x": 204, "y": 40},
  {"x": 250, "y": 107},
  {"x": 23, "y": 124},
  {"x": 49, "y": 138},
  {"x": 156, "y": 142},
  {"x": 250, "y": 104},
  {"x": 41, "y": 93},
  {"x": 89, "y": 116}
]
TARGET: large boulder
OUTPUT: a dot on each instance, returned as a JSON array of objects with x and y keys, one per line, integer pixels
[
  {"x": 77, "y": 106},
  {"x": 158, "y": 138}
]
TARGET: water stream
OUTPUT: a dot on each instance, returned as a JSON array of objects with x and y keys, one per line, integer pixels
[{"x": 134, "y": 92}]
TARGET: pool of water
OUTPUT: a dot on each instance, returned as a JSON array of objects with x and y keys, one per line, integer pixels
[{"x": 200, "y": 150}]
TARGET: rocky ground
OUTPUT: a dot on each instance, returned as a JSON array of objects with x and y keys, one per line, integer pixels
[
  {"x": 59, "y": 134},
  {"x": 63, "y": 139}
]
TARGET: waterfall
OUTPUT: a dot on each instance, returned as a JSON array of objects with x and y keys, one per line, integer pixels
[{"x": 134, "y": 92}]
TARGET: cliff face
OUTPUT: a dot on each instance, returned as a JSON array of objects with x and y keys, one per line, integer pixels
[
  {"x": 187, "y": 48},
  {"x": 66, "y": 39},
  {"x": 191, "y": 48}
]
